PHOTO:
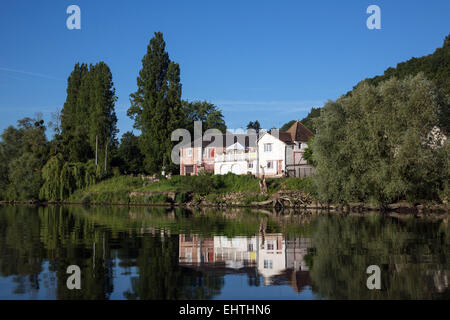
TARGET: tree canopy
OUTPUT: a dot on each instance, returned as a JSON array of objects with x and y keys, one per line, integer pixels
[
  {"x": 156, "y": 106},
  {"x": 373, "y": 145}
]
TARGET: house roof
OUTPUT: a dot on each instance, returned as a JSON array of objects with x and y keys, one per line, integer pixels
[
  {"x": 298, "y": 132},
  {"x": 285, "y": 137}
]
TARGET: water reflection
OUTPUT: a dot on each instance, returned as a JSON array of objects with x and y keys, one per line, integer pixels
[
  {"x": 279, "y": 260},
  {"x": 144, "y": 253}
]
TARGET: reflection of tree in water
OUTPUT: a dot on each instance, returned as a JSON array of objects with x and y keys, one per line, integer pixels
[
  {"x": 160, "y": 276},
  {"x": 66, "y": 236},
  {"x": 20, "y": 253},
  {"x": 413, "y": 256}
]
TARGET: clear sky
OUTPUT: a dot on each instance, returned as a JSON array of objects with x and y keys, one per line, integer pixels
[{"x": 256, "y": 60}]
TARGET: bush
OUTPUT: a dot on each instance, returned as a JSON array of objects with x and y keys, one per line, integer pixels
[{"x": 181, "y": 197}]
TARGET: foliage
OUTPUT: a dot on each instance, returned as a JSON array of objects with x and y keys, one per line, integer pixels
[
  {"x": 372, "y": 145},
  {"x": 254, "y": 125},
  {"x": 156, "y": 106},
  {"x": 210, "y": 116},
  {"x": 131, "y": 158},
  {"x": 88, "y": 114},
  {"x": 23, "y": 152},
  {"x": 285, "y": 127},
  {"x": 308, "y": 121},
  {"x": 61, "y": 179},
  {"x": 435, "y": 67}
]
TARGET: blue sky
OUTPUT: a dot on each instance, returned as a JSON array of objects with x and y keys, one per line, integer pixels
[{"x": 265, "y": 60}]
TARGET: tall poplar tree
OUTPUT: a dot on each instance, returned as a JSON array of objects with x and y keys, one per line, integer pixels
[
  {"x": 88, "y": 114},
  {"x": 70, "y": 114},
  {"x": 156, "y": 106},
  {"x": 102, "y": 117}
]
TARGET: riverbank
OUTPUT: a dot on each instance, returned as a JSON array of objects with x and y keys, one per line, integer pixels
[{"x": 228, "y": 191}]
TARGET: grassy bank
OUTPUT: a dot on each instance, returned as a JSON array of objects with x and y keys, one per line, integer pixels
[
  {"x": 185, "y": 189},
  {"x": 225, "y": 191}
]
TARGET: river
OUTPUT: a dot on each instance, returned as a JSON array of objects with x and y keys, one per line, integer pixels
[{"x": 161, "y": 253}]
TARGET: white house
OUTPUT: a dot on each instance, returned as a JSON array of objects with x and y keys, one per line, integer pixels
[
  {"x": 275, "y": 154},
  {"x": 281, "y": 153}
]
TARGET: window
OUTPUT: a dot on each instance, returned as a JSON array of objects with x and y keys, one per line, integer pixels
[
  {"x": 268, "y": 264},
  {"x": 267, "y": 147},
  {"x": 269, "y": 164},
  {"x": 250, "y": 164},
  {"x": 189, "y": 255},
  {"x": 189, "y": 169},
  {"x": 270, "y": 246},
  {"x": 250, "y": 247},
  {"x": 189, "y": 152}
]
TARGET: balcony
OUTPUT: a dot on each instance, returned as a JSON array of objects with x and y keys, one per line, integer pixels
[{"x": 233, "y": 157}]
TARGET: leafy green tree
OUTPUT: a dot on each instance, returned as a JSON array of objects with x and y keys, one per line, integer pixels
[
  {"x": 51, "y": 176},
  {"x": 373, "y": 145},
  {"x": 308, "y": 155},
  {"x": 285, "y": 127},
  {"x": 210, "y": 116},
  {"x": 24, "y": 151},
  {"x": 103, "y": 120},
  {"x": 88, "y": 114},
  {"x": 307, "y": 121},
  {"x": 254, "y": 125},
  {"x": 25, "y": 177},
  {"x": 131, "y": 158},
  {"x": 436, "y": 67},
  {"x": 74, "y": 116},
  {"x": 155, "y": 106}
]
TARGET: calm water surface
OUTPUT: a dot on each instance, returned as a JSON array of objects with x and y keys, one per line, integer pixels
[{"x": 156, "y": 253}]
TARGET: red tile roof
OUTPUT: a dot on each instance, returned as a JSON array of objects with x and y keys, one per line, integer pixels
[{"x": 299, "y": 132}]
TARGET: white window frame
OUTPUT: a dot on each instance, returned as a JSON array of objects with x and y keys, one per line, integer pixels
[
  {"x": 268, "y": 147},
  {"x": 189, "y": 152}
]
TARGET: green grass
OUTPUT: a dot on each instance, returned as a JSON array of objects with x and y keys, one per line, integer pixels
[
  {"x": 205, "y": 184},
  {"x": 113, "y": 190},
  {"x": 117, "y": 189}
]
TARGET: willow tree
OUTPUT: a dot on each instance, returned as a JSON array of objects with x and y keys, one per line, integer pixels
[
  {"x": 373, "y": 145},
  {"x": 51, "y": 176}
]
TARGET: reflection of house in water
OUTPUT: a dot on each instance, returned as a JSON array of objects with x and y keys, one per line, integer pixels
[
  {"x": 277, "y": 259},
  {"x": 272, "y": 256},
  {"x": 195, "y": 250},
  {"x": 236, "y": 253}
]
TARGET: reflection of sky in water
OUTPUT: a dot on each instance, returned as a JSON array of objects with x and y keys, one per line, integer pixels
[
  {"x": 236, "y": 287},
  {"x": 153, "y": 262},
  {"x": 18, "y": 287}
]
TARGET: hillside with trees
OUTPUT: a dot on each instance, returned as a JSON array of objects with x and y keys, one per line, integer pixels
[{"x": 435, "y": 67}]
